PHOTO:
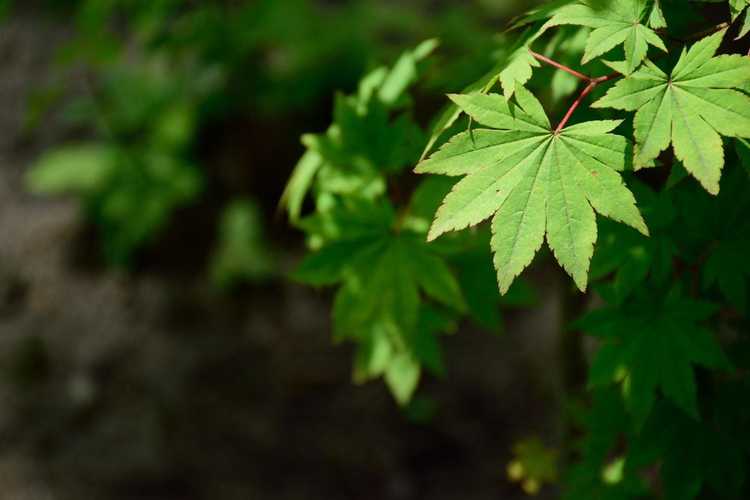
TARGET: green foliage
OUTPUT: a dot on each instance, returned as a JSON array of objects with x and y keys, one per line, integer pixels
[
  {"x": 614, "y": 23},
  {"x": 625, "y": 259},
  {"x": 689, "y": 108},
  {"x": 242, "y": 253},
  {"x": 396, "y": 293},
  {"x": 534, "y": 465},
  {"x": 365, "y": 139},
  {"x": 602, "y": 472},
  {"x": 138, "y": 168},
  {"x": 650, "y": 344},
  {"x": 78, "y": 169},
  {"x": 666, "y": 256},
  {"x": 382, "y": 271},
  {"x": 152, "y": 77},
  {"x": 407, "y": 257},
  {"x": 723, "y": 221},
  {"x": 739, "y": 9},
  {"x": 694, "y": 455},
  {"x": 129, "y": 196},
  {"x": 535, "y": 181}
]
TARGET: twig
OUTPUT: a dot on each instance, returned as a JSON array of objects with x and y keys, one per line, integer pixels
[
  {"x": 586, "y": 91},
  {"x": 593, "y": 82},
  {"x": 562, "y": 67}
]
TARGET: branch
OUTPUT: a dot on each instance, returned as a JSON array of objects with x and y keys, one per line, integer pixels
[
  {"x": 593, "y": 82},
  {"x": 586, "y": 91},
  {"x": 557, "y": 65}
]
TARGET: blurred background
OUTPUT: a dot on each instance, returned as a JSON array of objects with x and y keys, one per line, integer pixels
[{"x": 150, "y": 344}]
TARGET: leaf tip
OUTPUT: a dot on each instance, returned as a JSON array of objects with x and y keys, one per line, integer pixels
[
  {"x": 582, "y": 282},
  {"x": 504, "y": 283},
  {"x": 434, "y": 233},
  {"x": 455, "y": 97},
  {"x": 504, "y": 279},
  {"x": 711, "y": 187}
]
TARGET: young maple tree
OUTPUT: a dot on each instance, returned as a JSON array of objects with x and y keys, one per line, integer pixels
[{"x": 635, "y": 110}]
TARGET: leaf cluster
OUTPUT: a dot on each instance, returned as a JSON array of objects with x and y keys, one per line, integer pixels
[
  {"x": 642, "y": 194},
  {"x": 396, "y": 293}
]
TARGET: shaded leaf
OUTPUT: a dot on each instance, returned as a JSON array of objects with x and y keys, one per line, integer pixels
[{"x": 653, "y": 345}]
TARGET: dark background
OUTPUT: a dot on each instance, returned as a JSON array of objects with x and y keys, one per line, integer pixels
[{"x": 145, "y": 380}]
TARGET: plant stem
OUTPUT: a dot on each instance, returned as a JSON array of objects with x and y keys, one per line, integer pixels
[
  {"x": 573, "y": 106},
  {"x": 593, "y": 82},
  {"x": 562, "y": 67}
]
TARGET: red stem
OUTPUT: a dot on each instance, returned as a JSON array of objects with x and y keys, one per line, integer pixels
[
  {"x": 593, "y": 82},
  {"x": 557, "y": 65},
  {"x": 573, "y": 106}
]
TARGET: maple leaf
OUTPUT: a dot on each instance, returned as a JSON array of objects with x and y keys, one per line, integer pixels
[
  {"x": 656, "y": 16},
  {"x": 689, "y": 108},
  {"x": 691, "y": 454},
  {"x": 627, "y": 258},
  {"x": 535, "y": 181},
  {"x": 715, "y": 232},
  {"x": 651, "y": 344},
  {"x": 386, "y": 275},
  {"x": 518, "y": 63},
  {"x": 606, "y": 422},
  {"x": 617, "y": 22},
  {"x": 729, "y": 268},
  {"x": 514, "y": 68},
  {"x": 363, "y": 141}
]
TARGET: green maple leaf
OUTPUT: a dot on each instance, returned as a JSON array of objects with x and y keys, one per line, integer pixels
[
  {"x": 631, "y": 258},
  {"x": 363, "y": 141},
  {"x": 690, "y": 108},
  {"x": 656, "y": 17},
  {"x": 615, "y": 22},
  {"x": 367, "y": 248},
  {"x": 599, "y": 475},
  {"x": 389, "y": 280},
  {"x": 653, "y": 345},
  {"x": 729, "y": 269},
  {"x": 514, "y": 67},
  {"x": 715, "y": 232},
  {"x": 691, "y": 454},
  {"x": 518, "y": 63},
  {"x": 535, "y": 181}
]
